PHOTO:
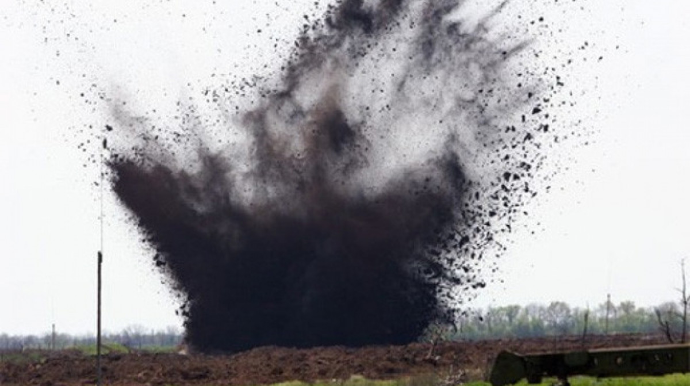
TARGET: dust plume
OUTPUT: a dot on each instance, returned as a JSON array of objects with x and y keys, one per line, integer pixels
[{"x": 355, "y": 201}]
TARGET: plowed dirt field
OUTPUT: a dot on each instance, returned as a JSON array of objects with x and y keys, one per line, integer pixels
[{"x": 267, "y": 365}]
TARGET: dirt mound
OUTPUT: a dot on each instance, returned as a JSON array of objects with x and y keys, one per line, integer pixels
[{"x": 268, "y": 365}]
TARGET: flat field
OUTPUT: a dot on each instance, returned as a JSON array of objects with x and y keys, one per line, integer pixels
[{"x": 417, "y": 364}]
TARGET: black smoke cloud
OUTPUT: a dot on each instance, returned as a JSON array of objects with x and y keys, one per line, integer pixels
[{"x": 356, "y": 200}]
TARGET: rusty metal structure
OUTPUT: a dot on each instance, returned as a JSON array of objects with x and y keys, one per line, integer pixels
[{"x": 509, "y": 368}]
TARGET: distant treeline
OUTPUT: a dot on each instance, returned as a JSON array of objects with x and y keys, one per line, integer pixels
[
  {"x": 559, "y": 318},
  {"x": 534, "y": 320},
  {"x": 133, "y": 337}
]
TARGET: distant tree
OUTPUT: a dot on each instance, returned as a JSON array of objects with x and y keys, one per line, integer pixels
[
  {"x": 172, "y": 336},
  {"x": 559, "y": 317},
  {"x": 626, "y": 321},
  {"x": 438, "y": 332},
  {"x": 670, "y": 318},
  {"x": 667, "y": 317},
  {"x": 4, "y": 341},
  {"x": 512, "y": 313},
  {"x": 684, "y": 301},
  {"x": 523, "y": 326},
  {"x": 133, "y": 336}
]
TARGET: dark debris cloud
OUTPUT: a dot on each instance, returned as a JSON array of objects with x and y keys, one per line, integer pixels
[{"x": 358, "y": 200}]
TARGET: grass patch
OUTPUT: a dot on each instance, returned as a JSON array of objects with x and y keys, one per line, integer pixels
[
  {"x": 358, "y": 380},
  {"x": 110, "y": 348},
  {"x": 667, "y": 380},
  {"x": 19, "y": 357},
  {"x": 432, "y": 380},
  {"x": 159, "y": 349}
]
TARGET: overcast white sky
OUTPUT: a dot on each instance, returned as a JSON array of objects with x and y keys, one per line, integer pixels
[{"x": 615, "y": 222}]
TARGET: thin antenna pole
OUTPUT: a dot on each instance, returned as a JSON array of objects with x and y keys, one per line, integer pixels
[
  {"x": 52, "y": 317},
  {"x": 99, "y": 372}
]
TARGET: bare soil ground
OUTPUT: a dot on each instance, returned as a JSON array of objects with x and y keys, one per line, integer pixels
[{"x": 269, "y": 365}]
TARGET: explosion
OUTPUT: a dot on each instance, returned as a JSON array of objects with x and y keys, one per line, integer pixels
[{"x": 355, "y": 202}]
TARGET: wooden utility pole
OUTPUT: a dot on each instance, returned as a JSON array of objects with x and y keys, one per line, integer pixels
[
  {"x": 99, "y": 372},
  {"x": 98, "y": 322}
]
